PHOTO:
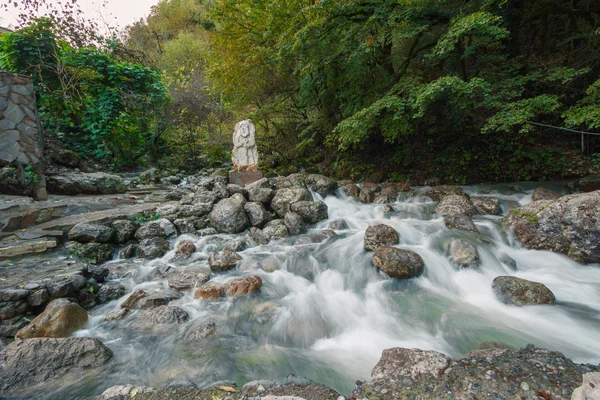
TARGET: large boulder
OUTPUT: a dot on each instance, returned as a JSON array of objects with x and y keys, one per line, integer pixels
[
  {"x": 461, "y": 222},
  {"x": 321, "y": 184},
  {"x": 437, "y": 193},
  {"x": 261, "y": 195},
  {"x": 588, "y": 184},
  {"x": 210, "y": 291},
  {"x": 295, "y": 223},
  {"x": 284, "y": 198},
  {"x": 521, "y": 292},
  {"x": 463, "y": 253},
  {"x": 399, "y": 363},
  {"x": 380, "y": 235},
  {"x": 229, "y": 216},
  {"x": 153, "y": 248},
  {"x": 85, "y": 233},
  {"x": 590, "y": 389},
  {"x": 244, "y": 286},
  {"x": 486, "y": 205},
  {"x": 257, "y": 214},
  {"x": 74, "y": 183},
  {"x": 455, "y": 204},
  {"x": 569, "y": 225},
  {"x": 25, "y": 363},
  {"x": 162, "y": 228},
  {"x": 276, "y": 229},
  {"x": 95, "y": 253},
  {"x": 124, "y": 230},
  {"x": 110, "y": 291},
  {"x": 60, "y": 319},
  {"x": 310, "y": 211},
  {"x": 188, "y": 279},
  {"x": 368, "y": 192},
  {"x": 398, "y": 263}
]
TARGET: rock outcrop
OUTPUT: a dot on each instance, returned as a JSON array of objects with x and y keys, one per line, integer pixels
[
  {"x": 60, "y": 319},
  {"x": 568, "y": 225}
]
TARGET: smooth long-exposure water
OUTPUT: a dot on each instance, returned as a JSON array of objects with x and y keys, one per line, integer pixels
[{"x": 325, "y": 313}]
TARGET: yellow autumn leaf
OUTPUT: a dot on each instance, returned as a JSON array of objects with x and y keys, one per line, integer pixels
[{"x": 227, "y": 389}]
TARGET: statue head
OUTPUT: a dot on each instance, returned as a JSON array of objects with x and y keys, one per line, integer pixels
[{"x": 244, "y": 130}]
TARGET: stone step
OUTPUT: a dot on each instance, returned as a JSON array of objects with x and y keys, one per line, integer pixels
[{"x": 27, "y": 247}]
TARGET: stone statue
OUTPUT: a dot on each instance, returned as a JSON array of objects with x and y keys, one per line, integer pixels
[{"x": 244, "y": 155}]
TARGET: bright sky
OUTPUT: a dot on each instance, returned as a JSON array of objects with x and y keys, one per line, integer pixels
[{"x": 116, "y": 12}]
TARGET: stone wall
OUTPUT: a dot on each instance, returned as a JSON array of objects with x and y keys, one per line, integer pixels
[{"x": 21, "y": 140}]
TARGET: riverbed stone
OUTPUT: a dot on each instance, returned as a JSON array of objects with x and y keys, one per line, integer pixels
[
  {"x": 25, "y": 363},
  {"x": 224, "y": 260},
  {"x": 124, "y": 230},
  {"x": 244, "y": 286},
  {"x": 521, "y": 292},
  {"x": 455, "y": 204},
  {"x": 398, "y": 263},
  {"x": 569, "y": 225},
  {"x": 461, "y": 222},
  {"x": 295, "y": 223},
  {"x": 210, "y": 291},
  {"x": 351, "y": 190},
  {"x": 155, "y": 247},
  {"x": 185, "y": 247},
  {"x": 284, "y": 198},
  {"x": 229, "y": 216},
  {"x": 132, "y": 300},
  {"x": 399, "y": 363},
  {"x": 463, "y": 253},
  {"x": 541, "y": 193},
  {"x": 110, "y": 291},
  {"x": 188, "y": 279},
  {"x": 437, "y": 193},
  {"x": 200, "y": 331},
  {"x": 321, "y": 184},
  {"x": 162, "y": 315},
  {"x": 310, "y": 211},
  {"x": 368, "y": 192},
  {"x": 276, "y": 229},
  {"x": 95, "y": 253},
  {"x": 486, "y": 205},
  {"x": 257, "y": 214},
  {"x": 85, "y": 233},
  {"x": 60, "y": 319},
  {"x": 261, "y": 195},
  {"x": 380, "y": 235}
]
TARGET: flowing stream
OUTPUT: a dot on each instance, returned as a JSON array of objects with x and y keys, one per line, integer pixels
[{"x": 325, "y": 313}]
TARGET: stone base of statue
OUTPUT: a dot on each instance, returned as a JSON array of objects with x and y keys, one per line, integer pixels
[{"x": 244, "y": 178}]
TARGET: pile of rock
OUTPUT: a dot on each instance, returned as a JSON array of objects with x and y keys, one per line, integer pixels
[
  {"x": 370, "y": 192},
  {"x": 396, "y": 263}
]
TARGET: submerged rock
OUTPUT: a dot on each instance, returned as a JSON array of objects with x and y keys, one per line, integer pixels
[
  {"x": 200, "y": 331},
  {"x": 162, "y": 315},
  {"x": 569, "y": 225},
  {"x": 398, "y": 263},
  {"x": 380, "y": 235},
  {"x": 25, "y": 363},
  {"x": 521, "y": 292},
  {"x": 463, "y": 253},
  {"x": 188, "y": 279},
  {"x": 60, "y": 319}
]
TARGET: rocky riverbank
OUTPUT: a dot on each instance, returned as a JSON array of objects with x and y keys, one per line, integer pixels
[{"x": 205, "y": 233}]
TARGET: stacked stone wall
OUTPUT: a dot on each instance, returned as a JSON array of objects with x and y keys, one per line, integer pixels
[{"x": 21, "y": 140}]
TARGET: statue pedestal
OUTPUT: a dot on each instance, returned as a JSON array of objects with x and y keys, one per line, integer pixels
[{"x": 244, "y": 178}]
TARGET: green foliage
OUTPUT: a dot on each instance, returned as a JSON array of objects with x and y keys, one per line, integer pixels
[
  {"x": 107, "y": 110},
  {"x": 31, "y": 177}
]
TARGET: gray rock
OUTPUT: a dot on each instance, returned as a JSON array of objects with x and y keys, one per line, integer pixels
[
  {"x": 351, "y": 190},
  {"x": 38, "y": 298},
  {"x": 437, "y": 193},
  {"x": 398, "y": 363},
  {"x": 129, "y": 251},
  {"x": 461, "y": 222},
  {"x": 276, "y": 229},
  {"x": 229, "y": 216},
  {"x": 163, "y": 315},
  {"x": 295, "y": 223},
  {"x": 223, "y": 261},
  {"x": 12, "y": 309},
  {"x": 569, "y": 225},
  {"x": 284, "y": 198},
  {"x": 67, "y": 158},
  {"x": 116, "y": 315},
  {"x": 188, "y": 279},
  {"x": 153, "y": 248},
  {"x": 508, "y": 261},
  {"x": 60, "y": 319},
  {"x": 98, "y": 272},
  {"x": 233, "y": 189},
  {"x": 368, "y": 192},
  {"x": 257, "y": 214},
  {"x": 161, "y": 298},
  {"x": 261, "y": 195},
  {"x": 111, "y": 291},
  {"x": 338, "y": 225},
  {"x": 124, "y": 230},
  {"x": 590, "y": 389},
  {"x": 185, "y": 226},
  {"x": 310, "y": 211},
  {"x": 541, "y": 193},
  {"x": 521, "y": 292},
  {"x": 455, "y": 204},
  {"x": 321, "y": 184},
  {"x": 588, "y": 184},
  {"x": 398, "y": 263},
  {"x": 380, "y": 235},
  {"x": 25, "y": 363},
  {"x": 85, "y": 233},
  {"x": 463, "y": 253},
  {"x": 75, "y": 183},
  {"x": 14, "y": 294},
  {"x": 486, "y": 205}
]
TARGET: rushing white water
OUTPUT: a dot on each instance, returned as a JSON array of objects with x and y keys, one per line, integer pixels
[{"x": 325, "y": 313}]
